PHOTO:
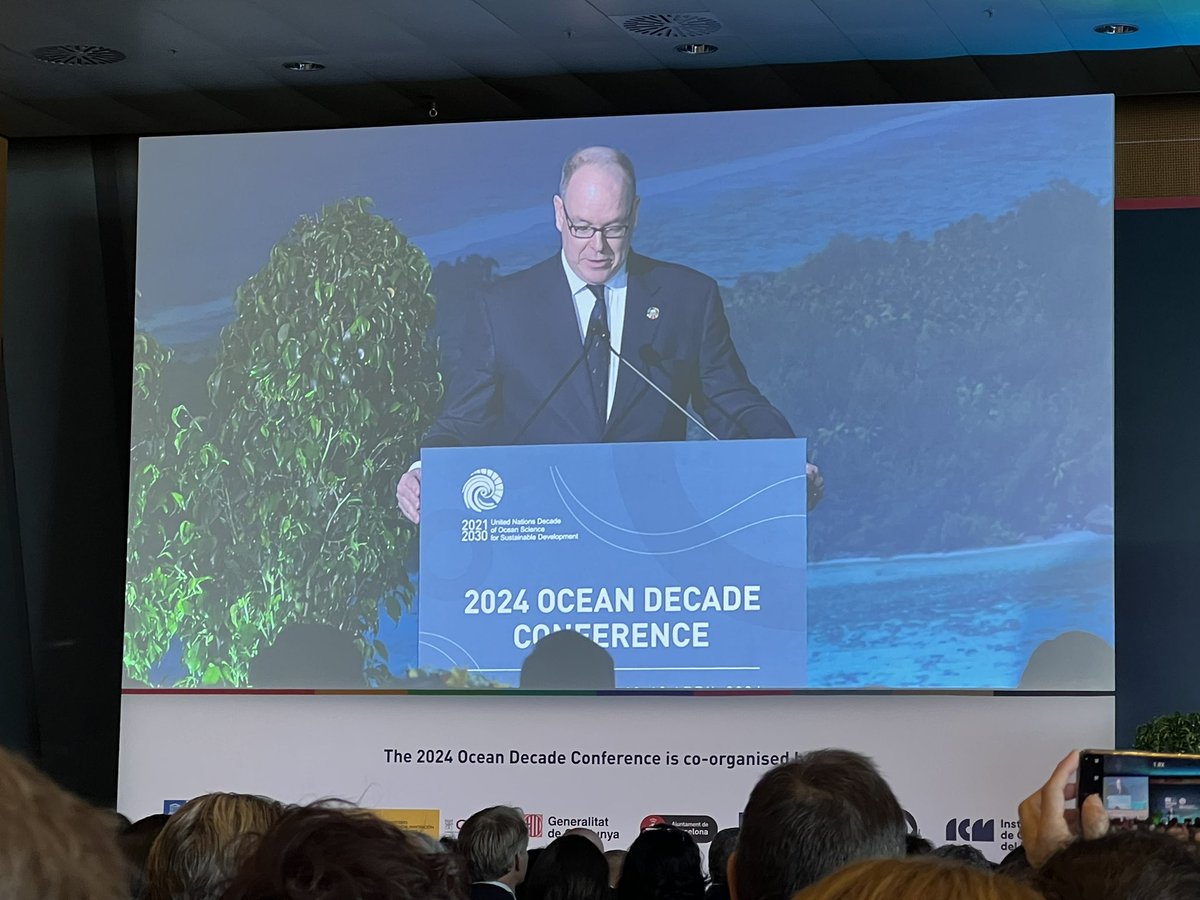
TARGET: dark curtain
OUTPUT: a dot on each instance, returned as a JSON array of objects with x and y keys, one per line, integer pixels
[
  {"x": 68, "y": 321},
  {"x": 1158, "y": 485}
]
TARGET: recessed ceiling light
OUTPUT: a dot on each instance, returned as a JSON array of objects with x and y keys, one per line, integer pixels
[
  {"x": 696, "y": 49},
  {"x": 1115, "y": 28},
  {"x": 78, "y": 55},
  {"x": 303, "y": 65}
]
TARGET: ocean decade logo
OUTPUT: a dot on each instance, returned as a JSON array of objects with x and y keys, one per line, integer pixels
[{"x": 483, "y": 490}]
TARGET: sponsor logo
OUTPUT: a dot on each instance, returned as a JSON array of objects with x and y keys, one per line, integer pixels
[
  {"x": 170, "y": 806},
  {"x": 533, "y": 821},
  {"x": 911, "y": 820},
  {"x": 483, "y": 490},
  {"x": 977, "y": 832},
  {"x": 702, "y": 828},
  {"x": 422, "y": 820}
]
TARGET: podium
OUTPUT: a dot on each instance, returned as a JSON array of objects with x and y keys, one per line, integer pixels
[{"x": 684, "y": 561}]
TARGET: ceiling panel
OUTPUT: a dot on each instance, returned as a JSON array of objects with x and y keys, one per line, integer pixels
[
  {"x": 837, "y": 83},
  {"x": 1009, "y": 26},
  {"x": 242, "y": 28},
  {"x": 786, "y": 32},
  {"x": 1162, "y": 71},
  {"x": 1046, "y": 74},
  {"x": 651, "y": 7},
  {"x": 186, "y": 110},
  {"x": 901, "y": 29},
  {"x": 956, "y": 78},
  {"x": 552, "y": 21},
  {"x": 20, "y": 118}
]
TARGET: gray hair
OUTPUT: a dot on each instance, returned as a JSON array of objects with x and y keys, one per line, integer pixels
[
  {"x": 491, "y": 840},
  {"x": 604, "y": 157}
]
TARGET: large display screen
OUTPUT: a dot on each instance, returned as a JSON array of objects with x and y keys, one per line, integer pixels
[{"x": 915, "y": 299}]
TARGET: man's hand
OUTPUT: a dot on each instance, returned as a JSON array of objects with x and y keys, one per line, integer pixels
[
  {"x": 408, "y": 495},
  {"x": 816, "y": 485},
  {"x": 1047, "y": 824}
]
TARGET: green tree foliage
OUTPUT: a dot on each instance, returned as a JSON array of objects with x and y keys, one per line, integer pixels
[
  {"x": 159, "y": 588},
  {"x": 1174, "y": 733},
  {"x": 284, "y": 508}
]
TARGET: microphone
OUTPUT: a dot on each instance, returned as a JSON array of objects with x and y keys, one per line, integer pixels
[
  {"x": 596, "y": 331},
  {"x": 649, "y": 355}
]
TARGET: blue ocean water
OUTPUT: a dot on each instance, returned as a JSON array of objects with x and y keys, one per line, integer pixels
[{"x": 957, "y": 620}]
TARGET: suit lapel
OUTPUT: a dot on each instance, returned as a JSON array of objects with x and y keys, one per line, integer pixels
[{"x": 641, "y": 296}]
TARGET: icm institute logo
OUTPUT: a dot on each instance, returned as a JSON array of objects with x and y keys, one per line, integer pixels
[
  {"x": 533, "y": 821},
  {"x": 977, "y": 832},
  {"x": 483, "y": 490}
]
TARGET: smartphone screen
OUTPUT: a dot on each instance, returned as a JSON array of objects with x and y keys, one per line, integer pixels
[{"x": 1156, "y": 790}]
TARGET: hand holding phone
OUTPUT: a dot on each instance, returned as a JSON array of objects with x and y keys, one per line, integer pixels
[{"x": 1048, "y": 818}]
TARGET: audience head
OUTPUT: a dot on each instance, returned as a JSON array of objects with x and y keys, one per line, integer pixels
[
  {"x": 1122, "y": 865},
  {"x": 965, "y": 854},
  {"x": 915, "y": 845},
  {"x": 718, "y": 854},
  {"x": 918, "y": 878},
  {"x": 663, "y": 863},
  {"x": 809, "y": 817},
  {"x": 135, "y": 840},
  {"x": 326, "y": 852},
  {"x": 588, "y": 835},
  {"x": 53, "y": 845},
  {"x": 571, "y": 868},
  {"x": 495, "y": 844},
  {"x": 567, "y": 660},
  {"x": 202, "y": 844},
  {"x": 616, "y": 862}
]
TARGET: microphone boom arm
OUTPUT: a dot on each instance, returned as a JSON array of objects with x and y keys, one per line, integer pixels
[{"x": 640, "y": 374}]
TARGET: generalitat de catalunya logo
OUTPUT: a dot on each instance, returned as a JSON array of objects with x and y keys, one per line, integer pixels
[{"x": 483, "y": 490}]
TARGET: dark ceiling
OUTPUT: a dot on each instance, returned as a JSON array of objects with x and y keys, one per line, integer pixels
[{"x": 217, "y": 65}]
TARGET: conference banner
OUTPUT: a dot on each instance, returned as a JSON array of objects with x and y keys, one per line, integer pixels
[
  {"x": 676, "y": 564},
  {"x": 958, "y": 764}
]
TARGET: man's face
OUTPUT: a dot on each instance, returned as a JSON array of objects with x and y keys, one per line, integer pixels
[{"x": 597, "y": 197}]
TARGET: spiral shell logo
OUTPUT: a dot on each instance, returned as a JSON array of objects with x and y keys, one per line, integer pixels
[{"x": 483, "y": 490}]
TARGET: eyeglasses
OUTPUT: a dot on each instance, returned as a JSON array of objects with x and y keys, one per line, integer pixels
[{"x": 613, "y": 232}]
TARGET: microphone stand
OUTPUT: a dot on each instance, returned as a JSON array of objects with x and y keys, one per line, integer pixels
[
  {"x": 596, "y": 331},
  {"x": 640, "y": 374}
]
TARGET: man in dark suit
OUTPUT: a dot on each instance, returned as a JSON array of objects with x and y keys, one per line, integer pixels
[
  {"x": 495, "y": 844},
  {"x": 553, "y": 324}
]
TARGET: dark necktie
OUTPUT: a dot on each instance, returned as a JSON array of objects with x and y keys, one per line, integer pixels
[{"x": 597, "y": 357}]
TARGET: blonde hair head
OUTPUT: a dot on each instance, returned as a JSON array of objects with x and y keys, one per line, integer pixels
[
  {"x": 919, "y": 878},
  {"x": 202, "y": 844},
  {"x": 53, "y": 845}
]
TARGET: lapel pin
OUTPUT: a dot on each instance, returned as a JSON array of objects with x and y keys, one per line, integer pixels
[{"x": 652, "y": 313}]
